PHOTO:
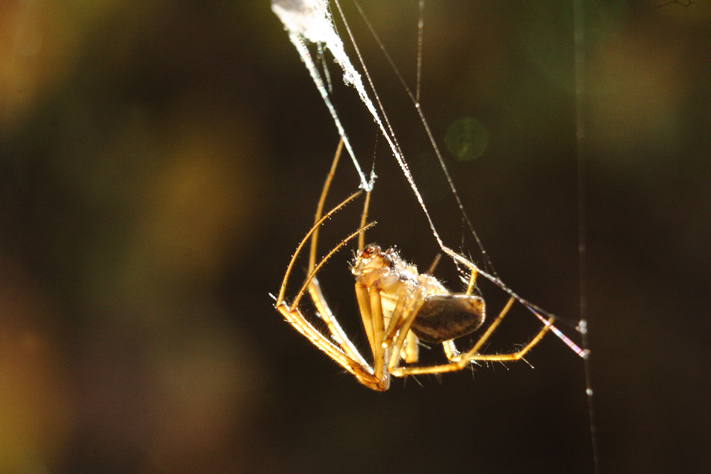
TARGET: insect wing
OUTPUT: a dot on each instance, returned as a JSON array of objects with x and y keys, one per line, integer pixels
[{"x": 444, "y": 317}]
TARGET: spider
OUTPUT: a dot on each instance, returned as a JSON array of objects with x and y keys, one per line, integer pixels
[{"x": 398, "y": 306}]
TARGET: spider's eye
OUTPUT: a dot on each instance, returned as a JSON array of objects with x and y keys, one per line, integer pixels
[{"x": 370, "y": 251}]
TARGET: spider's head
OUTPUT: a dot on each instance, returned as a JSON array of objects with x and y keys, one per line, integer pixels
[{"x": 372, "y": 258}]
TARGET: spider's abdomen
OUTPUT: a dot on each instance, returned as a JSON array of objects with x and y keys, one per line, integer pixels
[{"x": 444, "y": 317}]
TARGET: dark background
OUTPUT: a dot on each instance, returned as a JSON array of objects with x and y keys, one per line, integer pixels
[{"x": 160, "y": 161}]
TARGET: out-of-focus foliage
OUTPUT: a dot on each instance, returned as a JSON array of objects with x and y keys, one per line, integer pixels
[{"x": 160, "y": 161}]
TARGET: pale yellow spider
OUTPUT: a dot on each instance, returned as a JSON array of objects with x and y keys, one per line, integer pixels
[{"x": 398, "y": 306}]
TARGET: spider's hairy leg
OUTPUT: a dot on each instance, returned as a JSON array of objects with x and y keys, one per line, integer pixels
[
  {"x": 472, "y": 280},
  {"x": 450, "y": 349},
  {"x": 324, "y": 312},
  {"x": 473, "y": 355},
  {"x": 468, "y": 357},
  {"x": 376, "y": 306},
  {"x": 371, "y": 309},
  {"x": 410, "y": 352},
  {"x": 342, "y": 351},
  {"x": 409, "y": 311},
  {"x": 370, "y": 306},
  {"x": 396, "y": 320},
  {"x": 297, "y": 320},
  {"x": 538, "y": 312},
  {"x": 362, "y": 371},
  {"x": 373, "y": 323},
  {"x": 363, "y": 218},
  {"x": 321, "y": 202},
  {"x": 289, "y": 268},
  {"x": 314, "y": 288},
  {"x": 363, "y": 298},
  {"x": 489, "y": 331}
]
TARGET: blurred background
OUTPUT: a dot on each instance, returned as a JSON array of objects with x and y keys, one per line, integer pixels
[{"x": 160, "y": 162}]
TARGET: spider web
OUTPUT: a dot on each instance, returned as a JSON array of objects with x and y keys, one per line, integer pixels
[{"x": 310, "y": 22}]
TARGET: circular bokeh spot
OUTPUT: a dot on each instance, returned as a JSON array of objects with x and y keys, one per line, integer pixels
[{"x": 466, "y": 139}]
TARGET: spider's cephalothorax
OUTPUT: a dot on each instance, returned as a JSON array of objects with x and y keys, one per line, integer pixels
[
  {"x": 398, "y": 306},
  {"x": 442, "y": 316}
]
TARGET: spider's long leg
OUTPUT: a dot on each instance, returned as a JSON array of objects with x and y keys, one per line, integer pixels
[
  {"x": 289, "y": 268},
  {"x": 473, "y": 355},
  {"x": 410, "y": 351},
  {"x": 538, "y": 312},
  {"x": 472, "y": 280},
  {"x": 450, "y": 349},
  {"x": 321, "y": 202},
  {"x": 376, "y": 307},
  {"x": 362, "y": 371},
  {"x": 363, "y": 219},
  {"x": 490, "y": 330},
  {"x": 322, "y": 308},
  {"x": 514, "y": 355},
  {"x": 324, "y": 312},
  {"x": 408, "y": 314},
  {"x": 323, "y": 261},
  {"x": 371, "y": 311},
  {"x": 314, "y": 288},
  {"x": 363, "y": 298},
  {"x": 319, "y": 207},
  {"x": 403, "y": 309}
]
